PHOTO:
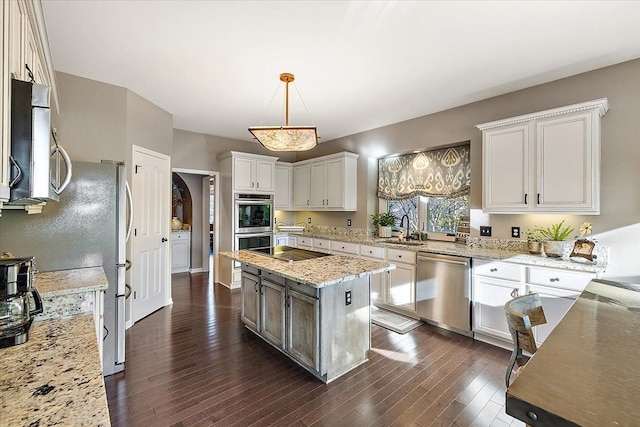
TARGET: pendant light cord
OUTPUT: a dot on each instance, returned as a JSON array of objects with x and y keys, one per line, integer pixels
[
  {"x": 305, "y": 105},
  {"x": 270, "y": 102}
]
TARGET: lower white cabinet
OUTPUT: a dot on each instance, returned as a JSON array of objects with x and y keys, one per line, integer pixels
[
  {"x": 378, "y": 282},
  {"x": 489, "y": 297},
  {"x": 285, "y": 240},
  {"x": 180, "y": 251},
  {"x": 556, "y": 303},
  {"x": 401, "y": 289}
]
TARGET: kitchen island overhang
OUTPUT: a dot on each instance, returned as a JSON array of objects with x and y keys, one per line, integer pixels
[{"x": 315, "y": 311}]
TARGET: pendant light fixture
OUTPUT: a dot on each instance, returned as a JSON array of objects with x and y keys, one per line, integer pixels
[{"x": 286, "y": 138}]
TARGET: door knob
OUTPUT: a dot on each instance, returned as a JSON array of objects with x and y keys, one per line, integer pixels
[{"x": 164, "y": 239}]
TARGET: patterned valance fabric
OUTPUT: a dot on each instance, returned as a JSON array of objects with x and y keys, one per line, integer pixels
[{"x": 445, "y": 172}]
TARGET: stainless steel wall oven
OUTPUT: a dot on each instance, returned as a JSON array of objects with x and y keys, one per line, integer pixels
[{"x": 254, "y": 213}]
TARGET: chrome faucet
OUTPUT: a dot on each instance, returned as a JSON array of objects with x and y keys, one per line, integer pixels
[{"x": 407, "y": 235}]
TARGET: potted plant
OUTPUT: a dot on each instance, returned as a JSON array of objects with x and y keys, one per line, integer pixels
[
  {"x": 554, "y": 239},
  {"x": 384, "y": 222},
  {"x": 534, "y": 239}
]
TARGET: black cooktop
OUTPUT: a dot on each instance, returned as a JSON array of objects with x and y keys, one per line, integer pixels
[{"x": 289, "y": 253}]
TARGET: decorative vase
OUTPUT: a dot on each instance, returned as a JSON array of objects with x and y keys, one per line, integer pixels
[
  {"x": 176, "y": 224},
  {"x": 554, "y": 248},
  {"x": 535, "y": 248},
  {"x": 384, "y": 231}
]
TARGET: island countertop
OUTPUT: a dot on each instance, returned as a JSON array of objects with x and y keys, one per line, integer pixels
[
  {"x": 55, "y": 378},
  {"x": 318, "y": 272},
  {"x": 586, "y": 372}
]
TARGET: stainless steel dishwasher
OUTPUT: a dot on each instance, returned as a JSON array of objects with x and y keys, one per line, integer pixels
[{"x": 443, "y": 291}]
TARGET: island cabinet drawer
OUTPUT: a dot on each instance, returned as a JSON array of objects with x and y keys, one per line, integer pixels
[
  {"x": 305, "y": 242},
  {"x": 250, "y": 269},
  {"x": 398, "y": 255},
  {"x": 373, "y": 251},
  {"x": 303, "y": 288},
  {"x": 272, "y": 277},
  {"x": 575, "y": 281},
  {"x": 322, "y": 244},
  {"x": 498, "y": 270},
  {"x": 344, "y": 247}
]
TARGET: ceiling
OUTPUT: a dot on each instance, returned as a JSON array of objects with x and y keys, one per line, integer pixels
[{"x": 359, "y": 65}]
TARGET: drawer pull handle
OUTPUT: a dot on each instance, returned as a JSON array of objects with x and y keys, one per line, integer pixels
[
  {"x": 554, "y": 280},
  {"x": 532, "y": 415},
  {"x": 493, "y": 270}
]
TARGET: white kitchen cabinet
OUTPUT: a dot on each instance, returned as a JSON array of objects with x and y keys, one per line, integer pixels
[
  {"x": 305, "y": 242},
  {"x": 555, "y": 303},
  {"x": 545, "y": 162},
  {"x": 283, "y": 197},
  {"x": 401, "y": 284},
  {"x": 322, "y": 245},
  {"x": 378, "y": 282},
  {"x": 489, "y": 297},
  {"x": 344, "y": 248},
  {"x": 326, "y": 183},
  {"x": 251, "y": 173},
  {"x": 180, "y": 251},
  {"x": 285, "y": 240},
  {"x": 302, "y": 187}
]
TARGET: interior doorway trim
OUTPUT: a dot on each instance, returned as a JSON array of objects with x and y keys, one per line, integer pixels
[{"x": 216, "y": 208}]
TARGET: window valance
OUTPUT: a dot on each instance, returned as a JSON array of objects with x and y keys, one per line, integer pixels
[{"x": 444, "y": 172}]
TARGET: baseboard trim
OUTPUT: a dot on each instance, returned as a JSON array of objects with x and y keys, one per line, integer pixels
[{"x": 196, "y": 270}]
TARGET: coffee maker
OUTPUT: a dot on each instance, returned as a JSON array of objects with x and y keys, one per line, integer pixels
[{"x": 16, "y": 315}]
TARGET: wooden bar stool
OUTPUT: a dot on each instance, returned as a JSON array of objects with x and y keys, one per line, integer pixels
[{"x": 523, "y": 313}]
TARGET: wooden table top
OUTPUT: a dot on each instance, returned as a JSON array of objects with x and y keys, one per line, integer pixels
[{"x": 587, "y": 372}]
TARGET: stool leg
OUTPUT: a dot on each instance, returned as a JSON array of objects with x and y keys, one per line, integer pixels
[{"x": 512, "y": 360}]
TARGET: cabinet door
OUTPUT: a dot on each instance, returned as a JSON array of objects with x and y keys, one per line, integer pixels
[
  {"x": 378, "y": 283},
  {"x": 567, "y": 165},
  {"x": 272, "y": 312},
  {"x": 250, "y": 301},
  {"x": 505, "y": 160},
  {"x": 282, "y": 199},
  {"x": 303, "y": 322},
  {"x": 180, "y": 252},
  {"x": 318, "y": 185},
  {"x": 489, "y": 298},
  {"x": 32, "y": 58},
  {"x": 5, "y": 143},
  {"x": 335, "y": 183},
  {"x": 17, "y": 23},
  {"x": 264, "y": 175},
  {"x": 555, "y": 303},
  {"x": 243, "y": 179},
  {"x": 402, "y": 286},
  {"x": 301, "y": 187}
]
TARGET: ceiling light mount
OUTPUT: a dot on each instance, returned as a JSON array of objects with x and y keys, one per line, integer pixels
[{"x": 286, "y": 138}]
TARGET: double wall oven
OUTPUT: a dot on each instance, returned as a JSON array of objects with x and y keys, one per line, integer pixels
[{"x": 254, "y": 221}]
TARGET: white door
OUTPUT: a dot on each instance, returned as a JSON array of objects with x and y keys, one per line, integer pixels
[{"x": 151, "y": 219}]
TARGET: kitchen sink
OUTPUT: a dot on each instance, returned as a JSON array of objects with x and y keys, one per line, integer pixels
[{"x": 407, "y": 243}]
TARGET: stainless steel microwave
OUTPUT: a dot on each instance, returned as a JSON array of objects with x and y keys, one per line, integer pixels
[{"x": 254, "y": 213}]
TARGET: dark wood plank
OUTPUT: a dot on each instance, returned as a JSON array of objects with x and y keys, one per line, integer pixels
[{"x": 195, "y": 364}]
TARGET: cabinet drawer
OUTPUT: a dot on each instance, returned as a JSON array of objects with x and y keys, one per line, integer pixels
[
  {"x": 273, "y": 278},
  {"x": 350, "y": 248},
  {"x": 305, "y": 242},
  {"x": 559, "y": 278},
  {"x": 498, "y": 270},
  {"x": 180, "y": 236},
  {"x": 398, "y": 255},
  {"x": 303, "y": 288},
  {"x": 250, "y": 269},
  {"x": 372, "y": 251},
  {"x": 322, "y": 244}
]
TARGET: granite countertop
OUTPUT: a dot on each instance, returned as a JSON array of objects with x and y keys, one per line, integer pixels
[
  {"x": 55, "y": 378},
  {"x": 458, "y": 249},
  {"x": 587, "y": 371},
  {"x": 318, "y": 272},
  {"x": 64, "y": 282}
]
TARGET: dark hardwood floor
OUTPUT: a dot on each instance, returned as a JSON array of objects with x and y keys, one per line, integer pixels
[{"x": 194, "y": 363}]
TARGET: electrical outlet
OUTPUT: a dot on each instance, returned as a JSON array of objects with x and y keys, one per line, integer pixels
[
  {"x": 515, "y": 232},
  {"x": 348, "y": 223},
  {"x": 309, "y": 220},
  {"x": 485, "y": 231},
  {"x": 347, "y": 298},
  {"x": 275, "y": 220}
]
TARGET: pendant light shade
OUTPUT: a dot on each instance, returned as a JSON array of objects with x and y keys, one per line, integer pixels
[{"x": 286, "y": 138}]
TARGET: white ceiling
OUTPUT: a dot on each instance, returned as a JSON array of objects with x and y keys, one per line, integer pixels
[{"x": 359, "y": 65}]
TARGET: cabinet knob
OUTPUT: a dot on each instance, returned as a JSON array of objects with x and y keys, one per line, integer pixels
[
  {"x": 493, "y": 270},
  {"x": 532, "y": 416},
  {"x": 554, "y": 280}
]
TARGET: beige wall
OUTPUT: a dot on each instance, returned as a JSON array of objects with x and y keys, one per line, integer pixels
[{"x": 148, "y": 125}]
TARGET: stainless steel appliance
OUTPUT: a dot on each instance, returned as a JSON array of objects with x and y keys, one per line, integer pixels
[
  {"x": 16, "y": 315},
  {"x": 85, "y": 229},
  {"x": 443, "y": 291},
  {"x": 289, "y": 253},
  {"x": 254, "y": 213},
  {"x": 33, "y": 180},
  {"x": 251, "y": 240}
]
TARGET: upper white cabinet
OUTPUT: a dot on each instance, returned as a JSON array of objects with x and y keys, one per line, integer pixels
[
  {"x": 545, "y": 162},
  {"x": 251, "y": 173},
  {"x": 326, "y": 183},
  {"x": 283, "y": 197},
  {"x": 24, "y": 44}
]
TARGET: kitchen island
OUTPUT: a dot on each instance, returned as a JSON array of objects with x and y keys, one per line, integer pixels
[
  {"x": 316, "y": 311},
  {"x": 587, "y": 372}
]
